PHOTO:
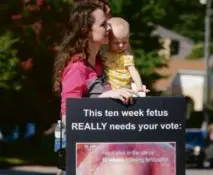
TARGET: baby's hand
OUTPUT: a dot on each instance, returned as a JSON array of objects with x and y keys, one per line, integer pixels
[{"x": 142, "y": 89}]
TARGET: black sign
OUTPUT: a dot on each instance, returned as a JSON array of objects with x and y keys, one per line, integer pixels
[{"x": 107, "y": 137}]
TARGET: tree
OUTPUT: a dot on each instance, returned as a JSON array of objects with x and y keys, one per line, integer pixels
[
  {"x": 185, "y": 17},
  {"x": 9, "y": 63},
  {"x": 198, "y": 51},
  {"x": 38, "y": 26}
]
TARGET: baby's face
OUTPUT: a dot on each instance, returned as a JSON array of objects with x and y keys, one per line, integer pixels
[{"x": 118, "y": 44}]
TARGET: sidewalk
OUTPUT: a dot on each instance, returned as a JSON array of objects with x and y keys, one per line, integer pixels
[{"x": 41, "y": 170}]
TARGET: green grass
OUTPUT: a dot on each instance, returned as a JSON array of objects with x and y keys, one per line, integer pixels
[{"x": 12, "y": 160}]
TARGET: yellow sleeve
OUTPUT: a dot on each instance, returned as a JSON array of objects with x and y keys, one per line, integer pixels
[{"x": 128, "y": 60}]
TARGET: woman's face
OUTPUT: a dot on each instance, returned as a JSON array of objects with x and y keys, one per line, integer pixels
[{"x": 99, "y": 32}]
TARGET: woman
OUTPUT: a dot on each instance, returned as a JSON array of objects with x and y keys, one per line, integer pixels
[
  {"x": 77, "y": 64},
  {"x": 78, "y": 69}
]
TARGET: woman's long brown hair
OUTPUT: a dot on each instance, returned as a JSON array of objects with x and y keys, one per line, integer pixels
[
  {"x": 75, "y": 40},
  {"x": 101, "y": 3}
]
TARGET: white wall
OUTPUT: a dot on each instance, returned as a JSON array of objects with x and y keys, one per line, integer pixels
[{"x": 190, "y": 85}]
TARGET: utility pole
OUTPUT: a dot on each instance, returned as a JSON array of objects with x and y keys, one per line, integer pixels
[{"x": 207, "y": 83}]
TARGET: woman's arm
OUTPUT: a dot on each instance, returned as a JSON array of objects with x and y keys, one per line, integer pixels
[
  {"x": 74, "y": 83},
  {"x": 73, "y": 86}
]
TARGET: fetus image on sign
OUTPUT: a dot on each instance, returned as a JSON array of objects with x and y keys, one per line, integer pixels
[{"x": 141, "y": 158}]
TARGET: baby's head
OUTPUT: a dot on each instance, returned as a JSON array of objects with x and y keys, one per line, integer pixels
[{"x": 119, "y": 35}]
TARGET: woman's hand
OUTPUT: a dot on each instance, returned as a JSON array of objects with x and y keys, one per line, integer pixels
[{"x": 123, "y": 94}]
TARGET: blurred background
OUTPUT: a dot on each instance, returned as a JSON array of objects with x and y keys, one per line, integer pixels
[{"x": 173, "y": 48}]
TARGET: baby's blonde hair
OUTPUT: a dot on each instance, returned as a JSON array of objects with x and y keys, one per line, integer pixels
[{"x": 119, "y": 26}]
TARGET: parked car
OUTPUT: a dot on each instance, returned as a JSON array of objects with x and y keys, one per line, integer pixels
[
  {"x": 195, "y": 146},
  {"x": 14, "y": 134}
]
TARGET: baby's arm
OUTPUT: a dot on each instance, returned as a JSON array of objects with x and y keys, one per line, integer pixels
[
  {"x": 130, "y": 65},
  {"x": 137, "y": 85},
  {"x": 135, "y": 76}
]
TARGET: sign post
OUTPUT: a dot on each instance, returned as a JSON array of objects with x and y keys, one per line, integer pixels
[{"x": 107, "y": 137}]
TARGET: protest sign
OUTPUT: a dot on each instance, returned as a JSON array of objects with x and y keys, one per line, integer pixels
[{"x": 107, "y": 137}]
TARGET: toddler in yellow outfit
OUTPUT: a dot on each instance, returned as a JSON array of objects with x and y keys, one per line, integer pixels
[{"x": 118, "y": 62}]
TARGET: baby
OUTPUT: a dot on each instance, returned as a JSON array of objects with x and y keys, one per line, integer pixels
[{"x": 118, "y": 62}]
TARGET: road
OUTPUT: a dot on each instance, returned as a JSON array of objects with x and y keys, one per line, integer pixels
[
  {"x": 29, "y": 170},
  {"x": 53, "y": 170}
]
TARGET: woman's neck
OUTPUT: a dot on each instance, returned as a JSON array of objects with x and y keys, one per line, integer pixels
[{"x": 93, "y": 50}]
